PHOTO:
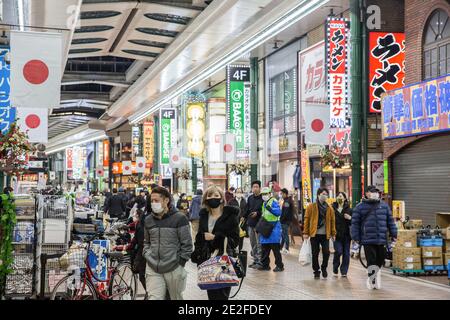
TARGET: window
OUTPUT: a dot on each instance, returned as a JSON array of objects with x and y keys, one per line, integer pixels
[{"x": 437, "y": 45}]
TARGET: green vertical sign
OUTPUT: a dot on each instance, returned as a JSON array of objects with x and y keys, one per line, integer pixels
[
  {"x": 386, "y": 176},
  {"x": 166, "y": 126}
]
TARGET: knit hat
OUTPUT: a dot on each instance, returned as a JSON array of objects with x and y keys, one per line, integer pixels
[{"x": 266, "y": 190}]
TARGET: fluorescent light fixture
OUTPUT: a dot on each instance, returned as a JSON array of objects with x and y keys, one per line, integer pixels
[
  {"x": 300, "y": 11},
  {"x": 69, "y": 145},
  {"x": 21, "y": 9}
]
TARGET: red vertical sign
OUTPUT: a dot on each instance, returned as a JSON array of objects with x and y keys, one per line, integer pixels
[
  {"x": 386, "y": 65},
  {"x": 106, "y": 155},
  {"x": 69, "y": 159}
]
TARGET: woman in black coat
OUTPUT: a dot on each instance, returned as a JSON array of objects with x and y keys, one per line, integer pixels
[
  {"x": 217, "y": 222},
  {"x": 343, "y": 214}
]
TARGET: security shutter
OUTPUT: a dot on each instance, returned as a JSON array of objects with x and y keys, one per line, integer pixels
[{"x": 421, "y": 177}]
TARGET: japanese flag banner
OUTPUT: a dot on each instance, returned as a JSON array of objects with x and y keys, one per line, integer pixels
[
  {"x": 36, "y": 62},
  {"x": 126, "y": 168},
  {"x": 99, "y": 171},
  {"x": 317, "y": 124},
  {"x": 176, "y": 161},
  {"x": 34, "y": 122},
  {"x": 228, "y": 148},
  {"x": 140, "y": 164}
]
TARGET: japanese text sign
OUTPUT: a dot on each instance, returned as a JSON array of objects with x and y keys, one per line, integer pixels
[
  {"x": 168, "y": 133},
  {"x": 417, "y": 109},
  {"x": 337, "y": 68},
  {"x": 7, "y": 113},
  {"x": 306, "y": 178},
  {"x": 386, "y": 65},
  {"x": 149, "y": 141}
]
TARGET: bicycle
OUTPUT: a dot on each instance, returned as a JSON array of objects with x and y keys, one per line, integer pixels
[{"x": 82, "y": 284}]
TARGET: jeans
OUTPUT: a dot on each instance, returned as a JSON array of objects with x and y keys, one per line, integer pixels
[
  {"x": 375, "y": 255},
  {"x": 285, "y": 236},
  {"x": 256, "y": 246},
  {"x": 341, "y": 249},
  {"x": 275, "y": 247},
  {"x": 320, "y": 240}
]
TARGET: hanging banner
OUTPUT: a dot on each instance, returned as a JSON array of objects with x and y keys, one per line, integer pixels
[
  {"x": 196, "y": 128},
  {"x": 69, "y": 159},
  {"x": 168, "y": 134},
  {"x": 340, "y": 139},
  {"x": 337, "y": 69},
  {"x": 238, "y": 107},
  {"x": 386, "y": 65},
  {"x": 386, "y": 176},
  {"x": 33, "y": 122},
  {"x": 7, "y": 113},
  {"x": 140, "y": 164},
  {"x": 377, "y": 174},
  {"x": 306, "y": 178},
  {"x": 417, "y": 109},
  {"x": 126, "y": 168},
  {"x": 99, "y": 171},
  {"x": 149, "y": 141},
  {"x": 52, "y": 175},
  {"x": 312, "y": 90},
  {"x": 135, "y": 136},
  {"x": 106, "y": 155}
]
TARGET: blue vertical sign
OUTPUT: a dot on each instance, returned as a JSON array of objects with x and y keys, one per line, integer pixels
[
  {"x": 316, "y": 186},
  {"x": 7, "y": 113}
]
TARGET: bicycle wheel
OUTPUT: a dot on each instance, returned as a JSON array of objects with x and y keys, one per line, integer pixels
[
  {"x": 66, "y": 289},
  {"x": 123, "y": 285}
]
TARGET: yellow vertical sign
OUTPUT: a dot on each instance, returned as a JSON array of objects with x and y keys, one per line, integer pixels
[
  {"x": 149, "y": 141},
  {"x": 306, "y": 179}
]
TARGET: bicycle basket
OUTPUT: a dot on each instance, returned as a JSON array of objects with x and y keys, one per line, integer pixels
[{"x": 74, "y": 258}]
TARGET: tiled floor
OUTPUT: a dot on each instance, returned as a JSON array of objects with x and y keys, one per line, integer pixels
[{"x": 297, "y": 283}]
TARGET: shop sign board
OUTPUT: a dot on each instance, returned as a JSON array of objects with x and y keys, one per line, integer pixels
[
  {"x": 196, "y": 128},
  {"x": 337, "y": 70},
  {"x": 316, "y": 186},
  {"x": 377, "y": 174},
  {"x": 417, "y": 109},
  {"x": 7, "y": 113},
  {"x": 386, "y": 176},
  {"x": 341, "y": 139},
  {"x": 106, "y": 156},
  {"x": 306, "y": 178},
  {"x": 398, "y": 209},
  {"x": 69, "y": 159},
  {"x": 238, "y": 107},
  {"x": 135, "y": 136},
  {"x": 168, "y": 134},
  {"x": 149, "y": 141},
  {"x": 166, "y": 171},
  {"x": 386, "y": 65}
]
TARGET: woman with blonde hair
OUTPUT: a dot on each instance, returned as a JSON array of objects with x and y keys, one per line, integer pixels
[{"x": 217, "y": 222}]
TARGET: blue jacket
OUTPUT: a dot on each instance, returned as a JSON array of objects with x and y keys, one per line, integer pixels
[
  {"x": 194, "y": 209},
  {"x": 274, "y": 216},
  {"x": 371, "y": 221}
]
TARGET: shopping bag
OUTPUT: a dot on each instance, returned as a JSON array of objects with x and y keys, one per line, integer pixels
[
  {"x": 217, "y": 272},
  {"x": 305, "y": 255}
]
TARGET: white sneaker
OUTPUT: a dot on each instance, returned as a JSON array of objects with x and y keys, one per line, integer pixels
[
  {"x": 369, "y": 284},
  {"x": 285, "y": 251},
  {"x": 378, "y": 280}
]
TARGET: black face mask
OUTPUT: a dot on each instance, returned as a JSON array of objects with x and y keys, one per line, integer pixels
[{"x": 213, "y": 202}]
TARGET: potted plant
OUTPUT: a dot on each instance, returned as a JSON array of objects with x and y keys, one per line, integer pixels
[
  {"x": 184, "y": 174},
  {"x": 239, "y": 168},
  {"x": 333, "y": 157}
]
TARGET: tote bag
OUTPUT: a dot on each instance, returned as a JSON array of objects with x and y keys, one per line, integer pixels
[
  {"x": 305, "y": 255},
  {"x": 217, "y": 272}
]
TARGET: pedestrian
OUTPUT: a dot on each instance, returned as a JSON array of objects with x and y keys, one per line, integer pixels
[
  {"x": 343, "y": 216},
  {"x": 194, "y": 211},
  {"x": 287, "y": 215},
  {"x": 239, "y": 202},
  {"x": 371, "y": 221},
  {"x": 141, "y": 200},
  {"x": 217, "y": 222},
  {"x": 271, "y": 212},
  {"x": 253, "y": 214},
  {"x": 229, "y": 194},
  {"x": 320, "y": 226},
  {"x": 183, "y": 204},
  {"x": 115, "y": 206},
  {"x": 167, "y": 247}
]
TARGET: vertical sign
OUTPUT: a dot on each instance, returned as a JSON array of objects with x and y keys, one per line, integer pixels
[
  {"x": 386, "y": 176},
  {"x": 238, "y": 107},
  {"x": 306, "y": 178},
  {"x": 196, "y": 128},
  {"x": 337, "y": 68},
  {"x": 377, "y": 174},
  {"x": 149, "y": 141},
  {"x": 7, "y": 113},
  {"x": 135, "y": 135},
  {"x": 69, "y": 159},
  {"x": 106, "y": 155},
  {"x": 168, "y": 138},
  {"x": 386, "y": 65}
]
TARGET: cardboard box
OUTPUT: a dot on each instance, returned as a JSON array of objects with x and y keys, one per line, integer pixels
[
  {"x": 414, "y": 224},
  {"x": 406, "y": 255},
  {"x": 446, "y": 247},
  {"x": 407, "y": 238},
  {"x": 433, "y": 261},
  {"x": 443, "y": 219},
  {"x": 408, "y": 266},
  {"x": 446, "y": 233},
  {"x": 431, "y": 252},
  {"x": 446, "y": 258}
]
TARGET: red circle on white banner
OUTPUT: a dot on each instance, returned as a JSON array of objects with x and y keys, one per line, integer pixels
[
  {"x": 317, "y": 125},
  {"x": 175, "y": 158},
  {"x": 228, "y": 148},
  {"x": 127, "y": 168},
  {"x": 35, "y": 71},
  {"x": 140, "y": 165},
  {"x": 32, "y": 121}
]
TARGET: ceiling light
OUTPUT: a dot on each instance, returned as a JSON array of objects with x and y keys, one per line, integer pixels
[{"x": 100, "y": 136}]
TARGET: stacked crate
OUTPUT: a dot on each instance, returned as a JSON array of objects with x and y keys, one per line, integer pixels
[
  {"x": 431, "y": 243},
  {"x": 406, "y": 254}
]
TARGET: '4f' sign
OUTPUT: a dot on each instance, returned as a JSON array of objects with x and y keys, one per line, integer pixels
[{"x": 239, "y": 73}]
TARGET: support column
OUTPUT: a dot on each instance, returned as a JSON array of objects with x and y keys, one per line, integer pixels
[
  {"x": 355, "y": 29},
  {"x": 110, "y": 163},
  {"x": 365, "y": 90},
  {"x": 254, "y": 117}
]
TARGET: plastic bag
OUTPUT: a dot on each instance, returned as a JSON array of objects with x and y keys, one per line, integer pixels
[{"x": 305, "y": 255}]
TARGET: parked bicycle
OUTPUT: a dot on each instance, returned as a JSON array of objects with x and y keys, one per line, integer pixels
[{"x": 83, "y": 284}]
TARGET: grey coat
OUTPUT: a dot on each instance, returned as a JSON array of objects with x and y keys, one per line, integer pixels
[{"x": 167, "y": 241}]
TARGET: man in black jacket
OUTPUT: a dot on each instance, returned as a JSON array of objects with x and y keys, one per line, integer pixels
[
  {"x": 115, "y": 205},
  {"x": 253, "y": 214},
  {"x": 287, "y": 214}
]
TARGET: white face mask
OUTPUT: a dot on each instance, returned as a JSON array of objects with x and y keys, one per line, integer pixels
[
  {"x": 157, "y": 207},
  {"x": 265, "y": 197},
  {"x": 239, "y": 195},
  {"x": 323, "y": 197},
  {"x": 374, "y": 196}
]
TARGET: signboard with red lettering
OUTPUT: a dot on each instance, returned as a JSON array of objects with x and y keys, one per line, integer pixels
[
  {"x": 337, "y": 68},
  {"x": 340, "y": 139},
  {"x": 69, "y": 159},
  {"x": 386, "y": 65}
]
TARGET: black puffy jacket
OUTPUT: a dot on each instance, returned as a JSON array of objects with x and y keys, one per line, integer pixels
[{"x": 342, "y": 225}]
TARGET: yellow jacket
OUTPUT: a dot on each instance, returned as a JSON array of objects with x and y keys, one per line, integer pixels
[{"x": 312, "y": 218}]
